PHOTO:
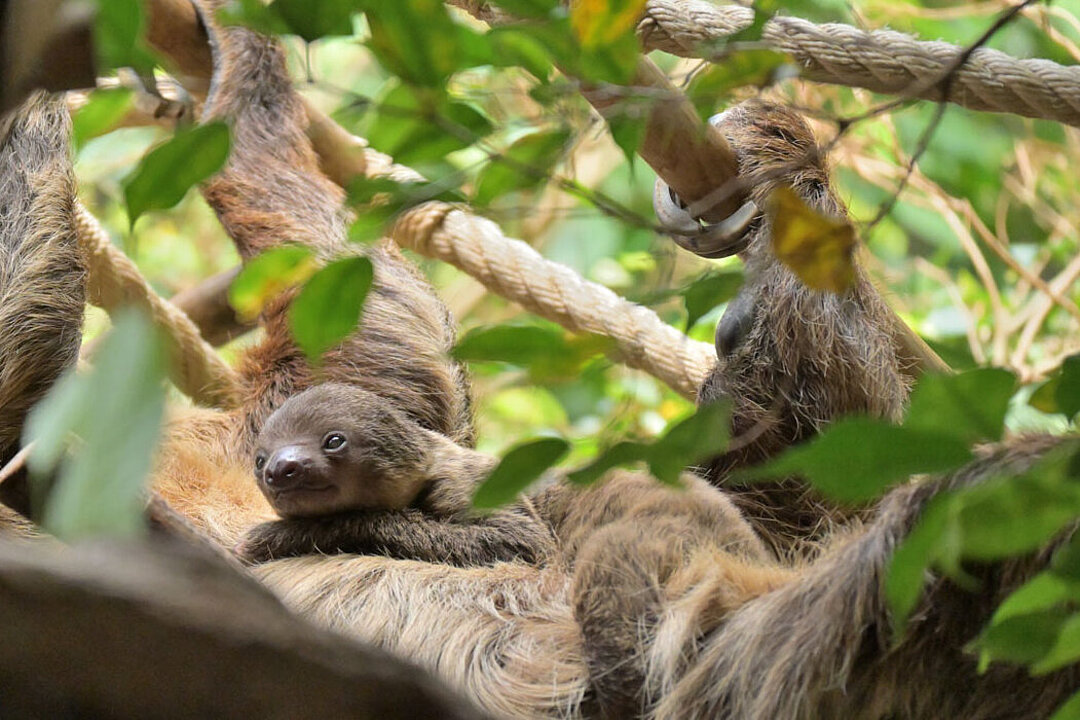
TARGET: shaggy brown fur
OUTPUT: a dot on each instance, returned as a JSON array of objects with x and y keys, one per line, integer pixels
[
  {"x": 41, "y": 272},
  {"x": 271, "y": 193},
  {"x": 790, "y": 358},
  {"x": 823, "y": 647}
]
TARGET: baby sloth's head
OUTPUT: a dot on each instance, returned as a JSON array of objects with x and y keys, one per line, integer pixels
[{"x": 338, "y": 447}]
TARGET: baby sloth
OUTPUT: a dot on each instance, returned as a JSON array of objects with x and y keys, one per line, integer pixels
[{"x": 351, "y": 473}]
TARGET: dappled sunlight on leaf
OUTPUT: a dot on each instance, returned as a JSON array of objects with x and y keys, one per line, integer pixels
[
  {"x": 328, "y": 307},
  {"x": 550, "y": 354},
  {"x": 518, "y": 469},
  {"x": 168, "y": 171},
  {"x": 1061, "y": 393},
  {"x": 602, "y": 22},
  {"x": 525, "y": 164},
  {"x": 268, "y": 275},
  {"x": 693, "y": 439},
  {"x": 103, "y": 111}
]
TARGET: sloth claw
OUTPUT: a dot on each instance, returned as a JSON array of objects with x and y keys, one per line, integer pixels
[{"x": 735, "y": 324}]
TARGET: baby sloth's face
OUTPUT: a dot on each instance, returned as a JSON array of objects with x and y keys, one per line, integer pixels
[{"x": 334, "y": 448}]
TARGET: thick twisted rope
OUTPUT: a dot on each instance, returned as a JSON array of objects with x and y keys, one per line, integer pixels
[
  {"x": 549, "y": 289},
  {"x": 881, "y": 60},
  {"x": 445, "y": 232},
  {"x": 553, "y": 291},
  {"x": 114, "y": 282}
]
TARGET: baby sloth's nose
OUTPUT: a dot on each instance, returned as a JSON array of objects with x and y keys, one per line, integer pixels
[{"x": 287, "y": 468}]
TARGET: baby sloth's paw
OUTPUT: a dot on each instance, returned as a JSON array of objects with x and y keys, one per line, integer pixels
[{"x": 265, "y": 542}]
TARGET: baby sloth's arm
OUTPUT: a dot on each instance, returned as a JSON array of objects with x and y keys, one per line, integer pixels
[{"x": 409, "y": 534}]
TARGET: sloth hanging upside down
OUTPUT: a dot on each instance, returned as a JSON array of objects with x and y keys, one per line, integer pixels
[{"x": 649, "y": 603}]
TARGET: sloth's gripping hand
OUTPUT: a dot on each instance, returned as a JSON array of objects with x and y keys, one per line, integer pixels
[{"x": 409, "y": 534}]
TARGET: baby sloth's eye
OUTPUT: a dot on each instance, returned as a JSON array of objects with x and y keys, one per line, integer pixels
[
  {"x": 260, "y": 463},
  {"x": 333, "y": 441}
]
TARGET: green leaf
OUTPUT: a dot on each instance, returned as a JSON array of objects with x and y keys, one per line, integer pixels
[
  {"x": 329, "y": 306},
  {"x": 253, "y": 14},
  {"x": 509, "y": 46},
  {"x": 369, "y": 192},
  {"x": 700, "y": 436},
  {"x": 627, "y": 131},
  {"x": 380, "y": 200},
  {"x": 557, "y": 38},
  {"x": 998, "y": 517},
  {"x": 314, "y": 19},
  {"x": 684, "y": 443},
  {"x": 518, "y": 469},
  {"x": 1061, "y": 393},
  {"x": 168, "y": 171},
  {"x": 268, "y": 275},
  {"x": 518, "y": 344},
  {"x": 1065, "y": 649},
  {"x": 856, "y": 458},
  {"x": 970, "y": 406},
  {"x": 1066, "y": 562},
  {"x": 759, "y": 68},
  {"x": 1070, "y": 710},
  {"x": 709, "y": 290},
  {"x": 373, "y": 222},
  {"x": 102, "y": 112},
  {"x": 1043, "y": 592},
  {"x": 549, "y": 353},
  {"x": 955, "y": 351},
  {"x": 621, "y": 454},
  {"x": 364, "y": 190},
  {"x": 415, "y": 40},
  {"x": 909, "y": 564},
  {"x": 1017, "y": 513},
  {"x": 528, "y": 8},
  {"x": 611, "y": 63},
  {"x": 116, "y": 411},
  {"x": 416, "y": 125},
  {"x": 524, "y": 164},
  {"x": 1023, "y": 639},
  {"x": 118, "y": 36}
]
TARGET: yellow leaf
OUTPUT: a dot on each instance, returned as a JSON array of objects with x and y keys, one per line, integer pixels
[
  {"x": 817, "y": 249},
  {"x": 601, "y": 22}
]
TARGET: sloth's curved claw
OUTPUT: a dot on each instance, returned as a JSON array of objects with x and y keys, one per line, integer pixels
[
  {"x": 735, "y": 324},
  {"x": 715, "y": 240}
]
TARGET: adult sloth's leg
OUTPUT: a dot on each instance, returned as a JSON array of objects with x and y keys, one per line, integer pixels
[
  {"x": 42, "y": 278},
  {"x": 823, "y": 646}
]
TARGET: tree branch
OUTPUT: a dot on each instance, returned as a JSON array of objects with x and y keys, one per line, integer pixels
[{"x": 129, "y": 631}]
